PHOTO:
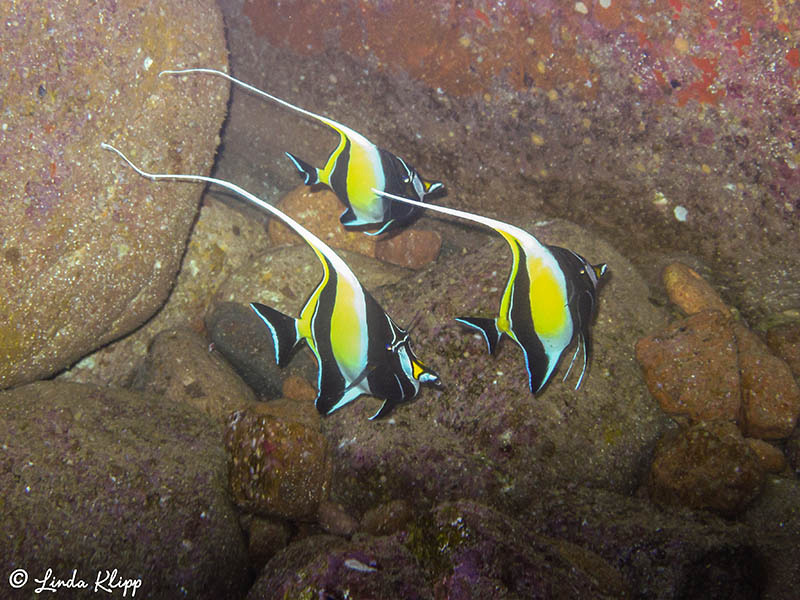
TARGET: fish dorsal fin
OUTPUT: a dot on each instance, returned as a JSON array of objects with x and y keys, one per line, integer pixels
[
  {"x": 511, "y": 233},
  {"x": 322, "y": 250},
  {"x": 335, "y": 125}
]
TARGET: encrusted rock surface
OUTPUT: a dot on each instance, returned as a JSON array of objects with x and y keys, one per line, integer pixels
[
  {"x": 709, "y": 466},
  {"x": 691, "y": 367},
  {"x": 689, "y": 291},
  {"x": 180, "y": 367},
  {"x": 97, "y": 479},
  {"x": 89, "y": 250},
  {"x": 279, "y": 468}
]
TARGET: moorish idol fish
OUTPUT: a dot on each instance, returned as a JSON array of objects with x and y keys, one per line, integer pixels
[
  {"x": 353, "y": 169},
  {"x": 549, "y": 300},
  {"x": 358, "y": 347}
]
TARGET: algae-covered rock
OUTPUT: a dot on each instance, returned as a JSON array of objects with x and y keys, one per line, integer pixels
[
  {"x": 88, "y": 249},
  {"x": 329, "y": 567},
  {"x": 96, "y": 479},
  {"x": 181, "y": 367},
  {"x": 485, "y": 554},
  {"x": 280, "y": 468},
  {"x": 706, "y": 466}
]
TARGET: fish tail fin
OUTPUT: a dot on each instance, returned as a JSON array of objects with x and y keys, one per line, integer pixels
[
  {"x": 309, "y": 173},
  {"x": 283, "y": 329},
  {"x": 488, "y": 327}
]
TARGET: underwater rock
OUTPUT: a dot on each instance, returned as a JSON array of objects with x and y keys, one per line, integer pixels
[
  {"x": 93, "y": 479},
  {"x": 290, "y": 409},
  {"x": 319, "y": 209},
  {"x": 411, "y": 248},
  {"x": 333, "y": 519},
  {"x": 771, "y": 459},
  {"x": 90, "y": 251},
  {"x": 770, "y": 394},
  {"x": 180, "y": 367},
  {"x": 663, "y": 552},
  {"x": 774, "y": 520},
  {"x": 266, "y": 537},
  {"x": 793, "y": 451},
  {"x": 297, "y": 388},
  {"x": 388, "y": 518},
  {"x": 329, "y": 567},
  {"x": 278, "y": 468},
  {"x": 691, "y": 367},
  {"x": 706, "y": 466},
  {"x": 689, "y": 291},
  {"x": 477, "y": 552},
  {"x": 222, "y": 240},
  {"x": 784, "y": 341}
]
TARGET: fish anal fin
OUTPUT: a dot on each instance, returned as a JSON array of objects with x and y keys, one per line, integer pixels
[
  {"x": 539, "y": 365},
  {"x": 283, "y": 329},
  {"x": 487, "y": 327},
  {"x": 327, "y": 403}
]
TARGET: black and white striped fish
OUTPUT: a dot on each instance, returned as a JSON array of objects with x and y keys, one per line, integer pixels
[
  {"x": 548, "y": 302},
  {"x": 359, "y": 348},
  {"x": 353, "y": 169}
]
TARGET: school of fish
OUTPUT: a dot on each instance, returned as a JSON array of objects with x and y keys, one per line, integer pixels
[{"x": 548, "y": 302}]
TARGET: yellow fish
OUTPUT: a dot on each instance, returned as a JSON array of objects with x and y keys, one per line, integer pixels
[
  {"x": 353, "y": 169},
  {"x": 548, "y": 302},
  {"x": 358, "y": 347}
]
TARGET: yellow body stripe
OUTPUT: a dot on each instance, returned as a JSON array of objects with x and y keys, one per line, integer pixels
[
  {"x": 503, "y": 320},
  {"x": 363, "y": 174},
  {"x": 305, "y": 318},
  {"x": 347, "y": 339},
  {"x": 548, "y": 303},
  {"x": 325, "y": 172}
]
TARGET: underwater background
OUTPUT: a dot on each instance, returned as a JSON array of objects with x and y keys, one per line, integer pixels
[{"x": 145, "y": 427}]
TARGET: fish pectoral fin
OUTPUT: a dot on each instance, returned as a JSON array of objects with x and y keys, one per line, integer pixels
[
  {"x": 385, "y": 384},
  {"x": 283, "y": 329},
  {"x": 309, "y": 173},
  {"x": 488, "y": 327}
]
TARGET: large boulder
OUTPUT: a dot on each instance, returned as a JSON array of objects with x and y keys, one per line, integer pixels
[
  {"x": 88, "y": 249},
  {"x": 96, "y": 479}
]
